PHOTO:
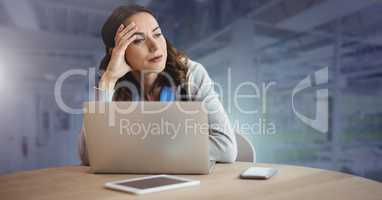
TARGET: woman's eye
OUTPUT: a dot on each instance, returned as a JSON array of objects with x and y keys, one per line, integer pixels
[
  {"x": 157, "y": 35},
  {"x": 138, "y": 41}
]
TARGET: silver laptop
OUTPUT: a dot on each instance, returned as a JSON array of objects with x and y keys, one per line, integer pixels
[{"x": 147, "y": 137}]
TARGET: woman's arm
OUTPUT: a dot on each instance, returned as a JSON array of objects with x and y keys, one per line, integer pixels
[
  {"x": 116, "y": 68},
  {"x": 223, "y": 147}
]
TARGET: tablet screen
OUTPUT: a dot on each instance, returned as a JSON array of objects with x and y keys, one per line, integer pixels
[{"x": 151, "y": 182}]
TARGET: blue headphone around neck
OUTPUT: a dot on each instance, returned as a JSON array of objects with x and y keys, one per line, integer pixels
[{"x": 166, "y": 94}]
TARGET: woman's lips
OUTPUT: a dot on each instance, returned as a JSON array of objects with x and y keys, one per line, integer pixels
[{"x": 156, "y": 59}]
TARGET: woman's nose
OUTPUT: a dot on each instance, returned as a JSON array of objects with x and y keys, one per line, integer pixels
[{"x": 153, "y": 45}]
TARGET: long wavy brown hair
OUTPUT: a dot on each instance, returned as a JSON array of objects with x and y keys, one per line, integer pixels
[{"x": 175, "y": 64}]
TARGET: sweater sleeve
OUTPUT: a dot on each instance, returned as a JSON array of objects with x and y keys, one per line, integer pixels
[
  {"x": 222, "y": 146},
  {"x": 100, "y": 95}
]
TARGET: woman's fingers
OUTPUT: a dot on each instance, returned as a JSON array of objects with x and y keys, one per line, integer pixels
[
  {"x": 122, "y": 30},
  {"x": 127, "y": 29},
  {"x": 126, "y": 39}
]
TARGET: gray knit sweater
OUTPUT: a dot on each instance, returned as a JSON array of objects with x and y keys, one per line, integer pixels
[{"x": 222, "y": 147}]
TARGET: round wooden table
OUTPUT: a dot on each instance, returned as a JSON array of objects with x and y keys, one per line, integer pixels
[{"x": 292, "y": 182}]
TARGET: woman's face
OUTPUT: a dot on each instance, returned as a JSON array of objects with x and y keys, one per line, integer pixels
[{"x": 148, "y": 52}]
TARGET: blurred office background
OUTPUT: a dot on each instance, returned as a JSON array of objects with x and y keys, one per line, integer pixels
[{"x": 262, "y": 41}]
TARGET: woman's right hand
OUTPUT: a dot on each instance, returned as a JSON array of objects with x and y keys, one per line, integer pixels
[{"x": 117, "y": 66}]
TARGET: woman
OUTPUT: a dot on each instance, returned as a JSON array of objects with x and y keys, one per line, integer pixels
[{"x": 137, "y": 53}]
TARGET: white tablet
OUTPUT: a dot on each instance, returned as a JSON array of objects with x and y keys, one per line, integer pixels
[{"x": 149, "y": 184}]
